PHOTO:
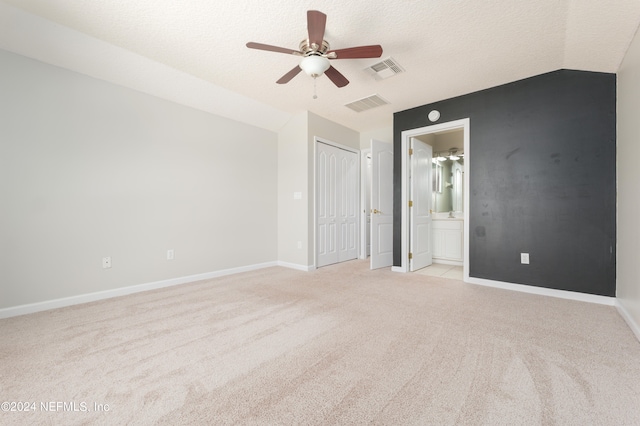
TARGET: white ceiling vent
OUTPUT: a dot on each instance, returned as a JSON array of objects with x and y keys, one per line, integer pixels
[
  {"x": 385, "y": 69},
  {"x": 364, "y": 104}
]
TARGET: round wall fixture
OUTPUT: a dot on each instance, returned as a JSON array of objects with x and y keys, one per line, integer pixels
[{"x": 434, "y": 115}]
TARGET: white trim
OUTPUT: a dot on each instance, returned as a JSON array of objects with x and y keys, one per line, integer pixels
[
  {"x": 397, "y": 269},
  {"x": 318, "y": 139},
  {"x": 404, "y": 216},
  {"x": 363, "y": 205},
  {"x": 405, "y": 140},
  {"x": 296, "y": 266},
  {"x": 633, "y": 325},
  {"x": 542, "y": 291},
  {"x": 123, "y": 291}
]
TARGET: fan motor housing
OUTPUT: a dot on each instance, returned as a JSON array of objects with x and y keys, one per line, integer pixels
[{"x": 307, "y": 48}]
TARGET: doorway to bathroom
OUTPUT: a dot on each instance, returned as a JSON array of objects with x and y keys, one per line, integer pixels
[{"x": 434, "y": 224}]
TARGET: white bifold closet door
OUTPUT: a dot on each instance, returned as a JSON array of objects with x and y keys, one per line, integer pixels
[{"x": 337, "y": 205}]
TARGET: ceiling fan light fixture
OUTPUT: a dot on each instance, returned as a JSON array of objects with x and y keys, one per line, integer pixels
[
  {"x": 314, "y": 65},
  {"x": 316, "y": 54}
]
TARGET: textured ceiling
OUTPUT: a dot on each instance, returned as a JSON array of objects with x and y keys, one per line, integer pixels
[{"x": 193, "y": 51}]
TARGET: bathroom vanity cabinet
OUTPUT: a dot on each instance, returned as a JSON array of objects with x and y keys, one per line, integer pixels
[{"x": 448, "y": 240}]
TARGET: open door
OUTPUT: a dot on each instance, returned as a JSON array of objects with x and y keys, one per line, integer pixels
[
  {"x": 381, "y": 204},
  {"x": 421, "y": 251}
]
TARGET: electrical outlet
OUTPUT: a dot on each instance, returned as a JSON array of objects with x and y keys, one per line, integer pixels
[
  {"x": 524, "y": 258},
  {"x": 170, "y": 255},
  {"x": 106, "y": 262}
]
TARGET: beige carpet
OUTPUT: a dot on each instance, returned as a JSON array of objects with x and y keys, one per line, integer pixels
[{"x": 341, "y": 345}]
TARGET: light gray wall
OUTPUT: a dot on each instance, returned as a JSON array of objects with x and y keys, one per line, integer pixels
[
  {"x": 296, "y": 167},
  {"x": 628, "y": 153},
  {"x": 89, "y": 169},
  {"x": 384, "y": 134},
  {"x": 293, "y": 175}
]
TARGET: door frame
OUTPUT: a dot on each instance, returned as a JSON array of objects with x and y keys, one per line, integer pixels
[
  {"x": 406, "y": 136},
  {"x": 316, "y": 141},
  {"x": 364, "y": 205}
]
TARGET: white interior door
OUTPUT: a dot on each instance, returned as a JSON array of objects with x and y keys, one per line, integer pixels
[
  {"x": 337, "y": 172},
  {"x": 421, "y": 189},
  {"x": 348, "y": 205},
  {"x": 381, "y": 204},
  {"x": 326, "y": 205}
]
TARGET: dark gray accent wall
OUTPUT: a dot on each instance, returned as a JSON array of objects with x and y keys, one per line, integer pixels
[{"x": 542, "y": 179}]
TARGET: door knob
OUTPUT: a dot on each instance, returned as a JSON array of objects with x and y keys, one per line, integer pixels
[{"x": 376, "y": 211}]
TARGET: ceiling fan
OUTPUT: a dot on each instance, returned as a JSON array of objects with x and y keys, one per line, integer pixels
[{"x": 315, "y": 52}]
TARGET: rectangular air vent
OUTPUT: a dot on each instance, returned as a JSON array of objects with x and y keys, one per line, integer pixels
[
  {"x": 364, "y": 104},
  {"x": 386, "y": 68}
]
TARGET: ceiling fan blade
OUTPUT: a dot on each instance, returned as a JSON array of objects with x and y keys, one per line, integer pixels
[
  {"x": 335, "y": 76},
  {"x": 288, "y": 76},
  {"x": 268, "y": 47},
  {"x": 373, "y": 51},
  {"x": 316, "y": 22}
]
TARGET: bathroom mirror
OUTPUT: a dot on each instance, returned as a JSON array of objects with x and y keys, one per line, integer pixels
[{"x": 448, "y": 187}]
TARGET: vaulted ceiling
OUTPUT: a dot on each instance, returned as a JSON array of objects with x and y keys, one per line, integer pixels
[{"x": 194, "y": 52}]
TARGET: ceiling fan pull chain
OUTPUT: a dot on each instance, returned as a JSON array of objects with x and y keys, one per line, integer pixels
[{"x": 315, "y": 95}]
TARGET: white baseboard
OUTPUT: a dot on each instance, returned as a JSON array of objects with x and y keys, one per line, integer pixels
[
  {"x": 107, "y": 294},
  {"x": 562, "y": 294},
  {"x": 633, "y": 325},
  {"x": 123, "y": 291},
  {"x": 296, "y": 266}
]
